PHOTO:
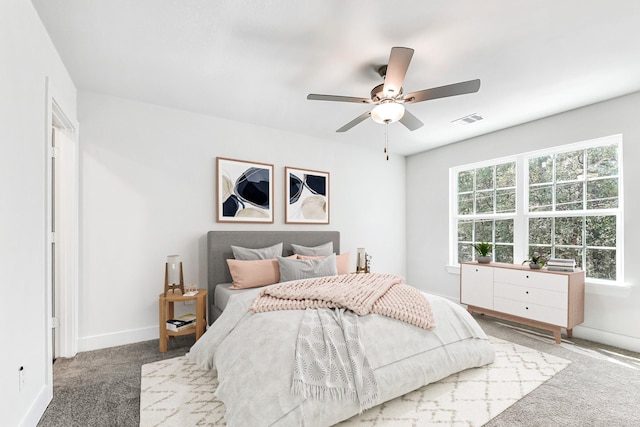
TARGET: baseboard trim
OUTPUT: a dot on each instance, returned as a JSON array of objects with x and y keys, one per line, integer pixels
[
  {"x": 608, "y": 338},
  {"x": 114, "y": 339},
  {"x": 40, "y": 403}
]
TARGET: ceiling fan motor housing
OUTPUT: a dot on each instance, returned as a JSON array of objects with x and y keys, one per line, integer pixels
[{"x": 377, "y": 95}]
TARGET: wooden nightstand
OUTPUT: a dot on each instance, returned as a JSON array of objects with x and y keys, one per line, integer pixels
[{"x": 166, "y": 312}]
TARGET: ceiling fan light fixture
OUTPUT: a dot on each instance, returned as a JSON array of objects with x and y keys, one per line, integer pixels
[{"x": 387, "y": 112}]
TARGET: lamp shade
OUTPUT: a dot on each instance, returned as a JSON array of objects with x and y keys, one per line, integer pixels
[
  {"x": 387, "y": 112},
  {"x": 173, "y": 269}
]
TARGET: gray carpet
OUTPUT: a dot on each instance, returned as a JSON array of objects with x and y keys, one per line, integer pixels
[
  {"x": 600, "y": 388},
  {"x": 102, "y": 388}
]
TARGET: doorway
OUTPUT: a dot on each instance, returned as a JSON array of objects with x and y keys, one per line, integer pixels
[{"x": 63, "y": 233}]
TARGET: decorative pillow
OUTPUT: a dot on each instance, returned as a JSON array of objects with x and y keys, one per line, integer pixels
[
  {"x": 342, "y": 262},
  {"x": 253, "y": 273},
  {"x": 322, "y": 250},
  {"x": 248, "y": 254},
  {"x": 296, "y": 269}
]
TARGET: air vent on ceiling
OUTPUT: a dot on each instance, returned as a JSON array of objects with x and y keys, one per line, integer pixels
[{"x": 467, "y": 120}]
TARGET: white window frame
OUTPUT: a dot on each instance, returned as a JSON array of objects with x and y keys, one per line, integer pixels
[
  {"x": 522, "y": 214},
  {"x": 453, "y": 181}
]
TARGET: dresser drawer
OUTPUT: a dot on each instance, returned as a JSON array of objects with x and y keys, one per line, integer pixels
[
  {"x": 554, "y": 316},
  {"x": 549, "y": 281},
  {"x": 531, "y": 295}
]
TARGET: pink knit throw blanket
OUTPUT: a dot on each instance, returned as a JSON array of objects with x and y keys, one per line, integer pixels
[{"x": 384, "y": 294}]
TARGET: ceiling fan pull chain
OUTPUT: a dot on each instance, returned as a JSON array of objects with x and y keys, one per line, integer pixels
[{"x": 386, "y": 140}]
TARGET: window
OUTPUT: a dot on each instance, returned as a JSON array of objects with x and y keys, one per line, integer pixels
[
  {"x": 486, "y": 198},
  {"x": 568, "y": 205}
]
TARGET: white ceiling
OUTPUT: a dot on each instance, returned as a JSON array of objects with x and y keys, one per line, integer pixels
[{"x": 255, "y": 61}]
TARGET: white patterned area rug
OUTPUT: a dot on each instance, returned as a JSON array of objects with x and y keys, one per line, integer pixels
[{"x": 175, "y": 392}]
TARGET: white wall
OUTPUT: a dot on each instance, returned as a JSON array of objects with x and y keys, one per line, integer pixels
[
  {"x": 611, "y": 314},
  {"x": 147, "y": 178},
  {"x": 27, "y": 57}
]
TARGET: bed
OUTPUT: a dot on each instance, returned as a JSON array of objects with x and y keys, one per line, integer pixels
[{"x": 260, "y": 356}]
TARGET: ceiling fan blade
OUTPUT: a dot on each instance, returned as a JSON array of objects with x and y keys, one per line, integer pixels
[
  {"x": 410, "y": 121},
  {"x": 461, "y": 88},
  {"x": 355, "y": 121},
  {"x": 399, "y": 60},
  {"x": 317, "y": 97}
]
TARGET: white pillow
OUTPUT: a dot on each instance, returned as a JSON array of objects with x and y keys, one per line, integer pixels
[
  {"x": 321, "y": 250},
  {"x": 248, "y": 254},
  {"x": 296, "y": 269}
]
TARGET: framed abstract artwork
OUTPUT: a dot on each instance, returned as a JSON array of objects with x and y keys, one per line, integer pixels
[
  {"x": 306, "y": 196},
  {"x": 244, "y": 191}
]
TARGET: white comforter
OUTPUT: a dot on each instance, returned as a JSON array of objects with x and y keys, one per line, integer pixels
[{"x": 254, "y": 356}]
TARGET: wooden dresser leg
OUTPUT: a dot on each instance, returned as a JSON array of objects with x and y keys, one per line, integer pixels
[
  {"x": 569, "y": 333},
  {"x": 557, "y": 335}
]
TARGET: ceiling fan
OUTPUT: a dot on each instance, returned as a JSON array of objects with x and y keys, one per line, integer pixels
[{"x": 389, "y": 98}]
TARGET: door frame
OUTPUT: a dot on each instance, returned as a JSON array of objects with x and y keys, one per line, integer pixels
[{"x": 66, "y": 234}]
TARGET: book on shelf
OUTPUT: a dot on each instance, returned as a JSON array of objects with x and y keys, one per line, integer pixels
[
  {"x": 189, "y": 317},
  {"x": 177, "y": 325},
  {"x": 185, "y": 321}
]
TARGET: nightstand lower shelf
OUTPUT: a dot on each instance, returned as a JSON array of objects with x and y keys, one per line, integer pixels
[{"x": 166, "y": 311}]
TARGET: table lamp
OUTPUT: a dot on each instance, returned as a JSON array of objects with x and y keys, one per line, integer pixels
[{"x": 173, "y": 278}]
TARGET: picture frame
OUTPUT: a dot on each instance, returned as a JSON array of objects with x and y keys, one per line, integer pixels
[
  {"x": 307, "y": 196},
  {"x": 244, "y": 191}
]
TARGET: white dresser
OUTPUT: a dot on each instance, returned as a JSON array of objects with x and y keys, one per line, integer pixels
[{"x": 544, "y": 299}]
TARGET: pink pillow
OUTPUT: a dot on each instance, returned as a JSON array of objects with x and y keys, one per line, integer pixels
[
  {"x": 254, "y": 273},
  {"x": 342, "y": 261}
]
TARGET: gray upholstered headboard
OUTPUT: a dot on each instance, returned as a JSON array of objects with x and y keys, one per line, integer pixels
[{"x": 219, "y": 248}]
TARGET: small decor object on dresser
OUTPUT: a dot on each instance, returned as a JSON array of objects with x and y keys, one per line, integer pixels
[
  {"x": 535, "y": 261},
  {"x": 483, "y": 252},
  {"x": 306, "y": 196},
  {"x": 244, "y": 191},
  {"x": 559, "y": 264}
]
